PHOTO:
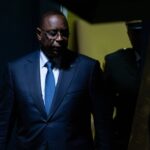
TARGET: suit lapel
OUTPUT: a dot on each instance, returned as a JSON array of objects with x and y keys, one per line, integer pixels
[
  {"x": 131, "y": 64},
  {"x": 63, "y": 84},
  {"x": 32, "y": 71}
]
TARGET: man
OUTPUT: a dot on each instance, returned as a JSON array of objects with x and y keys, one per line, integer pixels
[
  {"x": 65, "y": 124},
  {"x": 122, "y": 71}
]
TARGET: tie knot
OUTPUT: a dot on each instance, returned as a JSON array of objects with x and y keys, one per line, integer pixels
[{"x": 48, "y": 65}]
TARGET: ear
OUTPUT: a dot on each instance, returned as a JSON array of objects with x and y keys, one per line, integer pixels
[{"x": 38, "y": 33}]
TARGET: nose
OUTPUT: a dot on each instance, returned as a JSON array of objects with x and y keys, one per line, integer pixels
[{"x": 59, "y": 37}]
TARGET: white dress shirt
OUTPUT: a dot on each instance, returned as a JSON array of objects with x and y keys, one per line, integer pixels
[{"x": 43, "y": 72}]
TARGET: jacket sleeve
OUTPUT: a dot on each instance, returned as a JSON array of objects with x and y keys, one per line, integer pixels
[
  {"x": 102, "y": 110},
  {"x": 6, "y": 108}
]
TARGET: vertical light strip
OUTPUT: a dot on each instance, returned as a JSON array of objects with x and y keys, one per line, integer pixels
[{"x": 64, "y": 10}]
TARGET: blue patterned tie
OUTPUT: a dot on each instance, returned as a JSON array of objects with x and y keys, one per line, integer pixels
[{"x": 49, "y": 87}]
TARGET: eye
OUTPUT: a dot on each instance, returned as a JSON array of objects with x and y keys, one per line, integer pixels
[
  {"x": 64, "y": 33},
  {"x": 52, "y": 32}
]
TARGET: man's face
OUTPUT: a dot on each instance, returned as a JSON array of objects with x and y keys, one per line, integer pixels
[{"x": 53, "y": 35}]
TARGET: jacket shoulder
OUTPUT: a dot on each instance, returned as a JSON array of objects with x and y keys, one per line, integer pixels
[
  {"x": 118, "y": 54},
  {"x": 84, "y": 58},
  {"x": 25, "y": 57}
]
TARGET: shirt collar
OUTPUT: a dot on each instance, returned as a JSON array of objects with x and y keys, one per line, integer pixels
[{"x": 43, "y": 59}]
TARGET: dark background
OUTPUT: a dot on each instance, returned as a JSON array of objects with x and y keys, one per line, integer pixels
[{"x": 18, "y": 20}]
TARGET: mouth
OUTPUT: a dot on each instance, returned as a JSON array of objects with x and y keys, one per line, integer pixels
[
  {"x": 57, "y": 48},
  {"x": 56, "y": 51}
]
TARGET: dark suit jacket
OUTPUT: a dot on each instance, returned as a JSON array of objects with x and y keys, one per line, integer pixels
[
  {"x": 79, "y": 92},
  {"x": 121, "y": 72}
]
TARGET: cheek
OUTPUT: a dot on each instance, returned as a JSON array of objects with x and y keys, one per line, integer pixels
[{"x": 46, "y": 42}]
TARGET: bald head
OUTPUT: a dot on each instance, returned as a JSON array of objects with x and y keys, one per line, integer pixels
[{"x": 52, "y": 13}]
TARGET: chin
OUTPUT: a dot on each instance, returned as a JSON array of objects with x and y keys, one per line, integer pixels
[{"x": 57, "y": 51}]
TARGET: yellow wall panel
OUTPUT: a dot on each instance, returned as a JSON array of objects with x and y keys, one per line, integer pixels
[{"x": 97, "y": 40}]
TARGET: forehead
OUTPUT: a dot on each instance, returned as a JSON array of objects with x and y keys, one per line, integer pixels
[{"x": 54, "y": 22}]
